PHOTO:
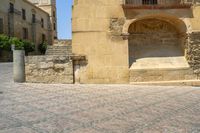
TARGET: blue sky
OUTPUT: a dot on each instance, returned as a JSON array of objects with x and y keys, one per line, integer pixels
[{"x": 64, "y": 8}]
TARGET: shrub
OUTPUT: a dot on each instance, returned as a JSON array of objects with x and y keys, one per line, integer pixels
[
  {"x": 4, "y": 43},
  {"x": 28, "y": 46},
  {"x": 17, "y": 42},
  {"x": 42, "y": 47}
]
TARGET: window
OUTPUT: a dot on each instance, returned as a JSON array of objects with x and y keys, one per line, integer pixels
[
  {"x": 11, "y": 8},
  {"x": 33, "y": 18},
  {"x": 43, "y": 38},
  {"x": 42, "y": 22},
  {"x": 23, "y": 14},
  {"x": 149, "y": 2},
  {"x": 54, "y": 14},
  {"x": 54, "y": 26},
  {"x": 1, "y": 25},
  {"x": 25, "y": 33}
]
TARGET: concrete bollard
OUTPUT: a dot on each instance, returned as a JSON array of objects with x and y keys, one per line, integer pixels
[{"x": 19, "y": 66}]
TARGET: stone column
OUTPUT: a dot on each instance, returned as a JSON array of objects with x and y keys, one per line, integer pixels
[{"x": 18, "y": 66}]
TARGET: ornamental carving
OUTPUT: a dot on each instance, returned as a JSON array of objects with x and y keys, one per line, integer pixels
[
  {"x": 116, "y": 26},
  {"x": 151, "y": 25}
]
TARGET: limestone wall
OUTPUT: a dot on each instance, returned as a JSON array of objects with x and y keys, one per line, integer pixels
[
  {"x": 100, "y": 32},
  {"x": 107, "y": 55},
  {"x": 49, "y": 69},
  {"x": 193, "y": 51}
]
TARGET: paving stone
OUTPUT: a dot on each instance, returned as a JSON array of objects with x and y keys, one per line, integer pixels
[
  {"x": 86, "y": 130},
  {"x": 55, "y": 108},
  {"x": 57, "y": 125},
  {"x": 18, "y": 130},
  {"x": 32, "y": 116}
]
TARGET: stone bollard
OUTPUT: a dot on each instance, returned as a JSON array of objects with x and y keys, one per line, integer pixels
[{"x": 19, "y": 66}]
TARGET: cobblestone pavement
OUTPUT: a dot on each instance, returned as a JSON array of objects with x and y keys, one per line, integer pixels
[{"x": 40, "y": 108}]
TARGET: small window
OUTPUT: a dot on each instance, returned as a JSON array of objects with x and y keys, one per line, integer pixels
[
  {"x": 11, "y": 8},
  {"x": 23, "y": 14},
  {"x": 1, "y": 25},
  {"x": 54, "y": 26},
  {"x": 42, "y": 22},
  {"x": 54, "y": 14},
  {"x": 149, "y": 2},
  {"x": 33, "y": 18},
  {"x": 25, "y": 33}
]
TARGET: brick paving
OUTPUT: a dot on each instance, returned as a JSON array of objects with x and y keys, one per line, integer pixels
[{"x": 42, "y": 108}]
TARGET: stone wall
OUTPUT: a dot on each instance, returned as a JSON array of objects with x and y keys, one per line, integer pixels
[
  {"x": 193, "y": 51},
  {"x": 49, "y": 69}
]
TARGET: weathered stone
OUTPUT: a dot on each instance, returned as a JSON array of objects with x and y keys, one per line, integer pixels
[
  {"x": 44, "y": 65},
  {"x": 49, "y": 69},
  {"x": 193, "y": 51},
  {"x": 116, "y": 26},
  {"x": 49, "y": 58},
  {"x": 59, "y": 66}
]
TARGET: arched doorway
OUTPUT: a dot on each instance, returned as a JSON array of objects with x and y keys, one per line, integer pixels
[{"x": 155, "y": 43}]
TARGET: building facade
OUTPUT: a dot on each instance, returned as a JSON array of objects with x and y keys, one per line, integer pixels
[
  {"x": 26, "y": 20},
  {"x": 131, "y": 41},
  {"x": 48, "y": 6}
]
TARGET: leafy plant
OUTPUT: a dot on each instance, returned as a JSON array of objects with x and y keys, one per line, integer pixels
[
  {"x": 4, "y": 43},
  {"x": 42, "y": 47},
  {"x": 17, "y": 42},
  {"x": 28, "y": 46}
]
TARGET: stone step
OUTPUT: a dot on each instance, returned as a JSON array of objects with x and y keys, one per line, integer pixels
[
  {"x": 59, "y": 50},
  {"x": 165, "y": 74},
  {"x": 170, "y": 83},
  {"x": 69, "y": 47},
  {"x": 62, "y": 50},
  {"x": 62, "y": 42}
]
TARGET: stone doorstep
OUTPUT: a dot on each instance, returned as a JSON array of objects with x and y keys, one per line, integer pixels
[
  {"x": 157, "y": 69},
  {"x": 170, "y": 83}
]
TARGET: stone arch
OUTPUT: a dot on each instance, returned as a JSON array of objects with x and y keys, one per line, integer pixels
[
  {"x": 182, "y": 25},
  {"x": 156, "y": 39}
]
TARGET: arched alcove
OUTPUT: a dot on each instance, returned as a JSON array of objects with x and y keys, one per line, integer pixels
[{"x": 156, "y": 43}]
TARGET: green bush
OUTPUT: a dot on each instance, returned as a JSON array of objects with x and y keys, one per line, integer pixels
[
  {"x": 28, "y": 46},
  {"x": 42, "y": 47},
  {"x": 6, "y": 42},
  {"x": 17, "y": 42}
]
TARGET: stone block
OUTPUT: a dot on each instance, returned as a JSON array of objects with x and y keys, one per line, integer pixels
[
  {"x": 46, "y": 65},
  {"x": 49, "y": 69},
  {"x": 59, "y": 66}
]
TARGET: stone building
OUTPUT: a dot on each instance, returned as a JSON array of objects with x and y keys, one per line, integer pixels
[
  {"x": 137, "y": 41},
  {"x": 48, "y": 6},
  {"x": 30, "y": 20}
]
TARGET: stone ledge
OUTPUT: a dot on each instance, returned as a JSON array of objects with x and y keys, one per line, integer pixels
[{"x": 170, "y": 83}]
